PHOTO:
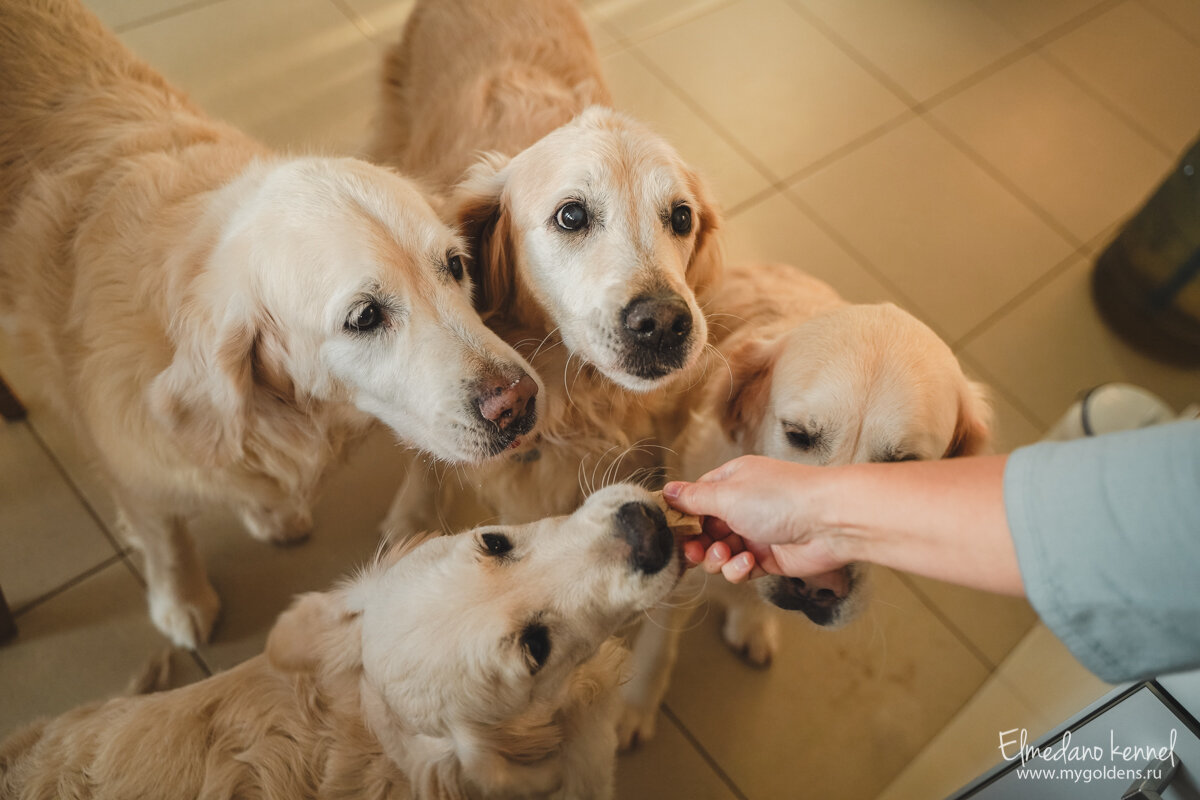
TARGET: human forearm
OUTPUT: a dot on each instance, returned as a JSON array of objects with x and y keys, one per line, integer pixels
[{"x": 940, "y": 519}]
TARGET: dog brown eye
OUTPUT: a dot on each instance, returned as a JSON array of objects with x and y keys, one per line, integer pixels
[
  {"x": 455, "y": 265},
  {"x": 572, "y": 217},
  {"x": 681, "y": 220},
  {"x": 364, "y": 317},
  {"x": 496, "y": 544},
  {"x": 535, "y": 641}
]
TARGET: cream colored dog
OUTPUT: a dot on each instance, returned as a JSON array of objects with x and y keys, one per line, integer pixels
[
  {"x": 591, "y": 239},
  {"x": 814, "y": 380},
  {"x": 475, "y": 665},
  {"x": 218, "y": 319}
]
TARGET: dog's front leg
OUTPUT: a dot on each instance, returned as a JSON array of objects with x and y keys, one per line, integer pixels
[
  {"x": 415, "y": 506},
  {"x": 654, "y": 654},
  {"x": 751, "y": 626},
  {"x": 183, "y": 604}
]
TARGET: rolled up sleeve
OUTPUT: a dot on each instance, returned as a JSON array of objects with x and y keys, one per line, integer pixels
[{"x": 1107, "y": 533}]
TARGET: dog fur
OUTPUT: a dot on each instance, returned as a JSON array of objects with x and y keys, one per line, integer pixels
[
  {"x": 186, "y": 296},
  {"x": 814, "y": 380},
  {"x": 502, "y": 107},
  {"x": 416, "y": 679}
]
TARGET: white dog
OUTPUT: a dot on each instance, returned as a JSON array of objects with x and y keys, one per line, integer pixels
[
  {"x": 593, "y": 243},
  {"x": 814, "y": 380},
  {"x": 217, "y": 319},
  {"x": 475, "y": 665}
]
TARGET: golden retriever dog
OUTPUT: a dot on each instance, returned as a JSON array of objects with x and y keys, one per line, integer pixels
[
  {"x": 219, "y": 319},
  {"x": 481, "y": 664},
  {"x": 591, "y": 239},
  {"x": 814, "y": 380}
]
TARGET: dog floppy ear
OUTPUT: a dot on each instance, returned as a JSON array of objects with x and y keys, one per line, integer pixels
[
  {"x": 318, "y": 630},
  {"x": 750, "y": 364},
  {"x": 203, "y": 396},
  {"x": 477, "y": 206},
  {"x": 708, "y": 261},
  {"x": 973, "y": 429}
]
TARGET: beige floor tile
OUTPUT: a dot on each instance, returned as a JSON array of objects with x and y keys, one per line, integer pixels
[
  {"x": 82, "y": 645},
  {"x": 1033, "y": 18},
  {"x": 47, "y": 536},
  {"x": 1048, "y": 679},
  {"x": 385, "y": 18},
  {"x": 776, "y": 230},
  {"x": 667, "y": 767},
  {"x": 637, "y": 19},
  {"x": 924, "y": 46},
  {"x": 781, "y": 88},
  {"x": 639, "y": 92},
  {"x": 295, "y": 73},
  {"x": 839, "y": 713},
  {"x": 121, "y": 14},
  {"x": 1056, "y": 143},
  {"x": 1184, "y": 15},
  {"x": 257, "y": 581},
  {"x": 1011, "y": 428},
  {"x": 965, "y": 748},
  {"x": 992, "y": 623},
  {"x": 74, "y": 455},
  {"x": 936, "y": 224},
  {"x": 1053, "y": 346},
  {"x": 1136, "y": 60}
]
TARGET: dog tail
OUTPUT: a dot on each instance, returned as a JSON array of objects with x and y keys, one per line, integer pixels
[{"x": 155, "y": 675}]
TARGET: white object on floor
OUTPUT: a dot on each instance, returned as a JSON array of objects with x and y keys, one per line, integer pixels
[{"x": 1112, "y": 407}]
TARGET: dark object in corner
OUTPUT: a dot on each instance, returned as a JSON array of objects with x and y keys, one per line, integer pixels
[
  {"x": 8, "y": 628},
  {"x": 10, "y": 407},
  {"x": 1146, "y": 284}
]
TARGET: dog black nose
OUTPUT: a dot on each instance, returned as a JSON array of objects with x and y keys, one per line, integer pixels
[
  {"x": 508, "y": 403},
  {"x": 818, "y": 598},
  {"x": 644, "y": 527},
  {"x": 659, "y": 322}
]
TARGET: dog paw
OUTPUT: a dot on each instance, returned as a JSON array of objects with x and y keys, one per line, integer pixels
[
  {"x": 277, "y": 527},
  {"x": 635, "y": 726},
  {"x": 187, "y": 623},
  {"x": 753, "y": 636}
]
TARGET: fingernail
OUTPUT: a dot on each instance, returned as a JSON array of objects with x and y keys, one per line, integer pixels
[
  {"x": 744, "y": 561},
  {"x": 672, "y": 489},
  {"x": 713, "y": 555}
]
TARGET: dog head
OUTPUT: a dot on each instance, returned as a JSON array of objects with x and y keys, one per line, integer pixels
[
  {"x": 860, "y": 383},
  {"x": 600, "y": 227},
  {"x": 485, "y": 657},
  {"x": 333, "y": 280}
]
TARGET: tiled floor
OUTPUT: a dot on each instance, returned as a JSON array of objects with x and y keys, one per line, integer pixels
[{"x": 965, "y": 159}]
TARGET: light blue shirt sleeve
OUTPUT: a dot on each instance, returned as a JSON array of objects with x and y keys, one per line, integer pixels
[{"x": 1107, "y": 532}]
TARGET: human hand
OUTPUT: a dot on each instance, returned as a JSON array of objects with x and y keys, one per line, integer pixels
[{"x": 760, "y": 516}]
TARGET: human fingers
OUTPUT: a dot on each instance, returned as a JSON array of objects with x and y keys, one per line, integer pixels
[{"x": 741, "y": 568}]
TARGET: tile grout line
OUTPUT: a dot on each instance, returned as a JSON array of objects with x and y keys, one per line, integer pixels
[
  {"x": 864, "y": 63},
  {"x": 949, "y": 624},
  {"x": 1107, "y": 104},
  {"x": 844, "y": 243},
  {"x": 358, "y": 21},
  {"x": 79, "y": 495},
  {"x": 1003, "y": 180},
  {"x": 703, "y": 751},
  {"x": 70, "y": 583},
  {"x": 1164, "y": 17},
  {"x": 1032, "y": 288},
  {"x": 996, "y": 386},
  {"x": 1084, "y": 252},
  {"x": 702, "y": 113},
  {"x": 166, "y": 14}
]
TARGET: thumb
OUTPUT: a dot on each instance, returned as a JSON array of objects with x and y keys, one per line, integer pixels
[{"x": 701, "y": 499}]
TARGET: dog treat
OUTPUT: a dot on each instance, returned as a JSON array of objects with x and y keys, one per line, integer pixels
[{"x": 681, "y": 524}]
